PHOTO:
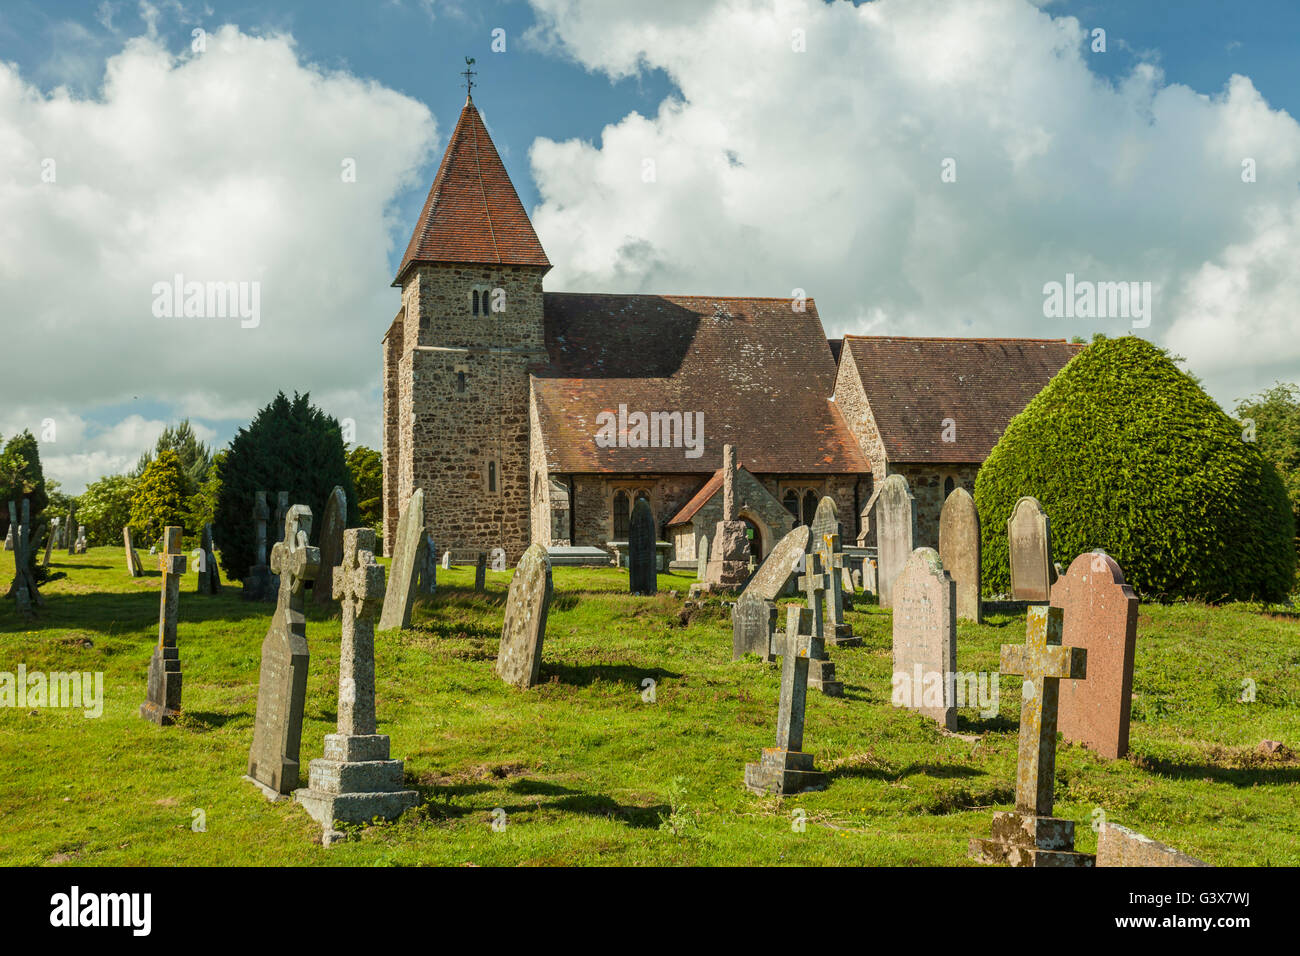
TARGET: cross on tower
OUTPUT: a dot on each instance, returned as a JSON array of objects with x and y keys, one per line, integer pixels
[
  {"x": 469, "y": 75},
  {"x": 359, "y": 586},
  {"x": 1044, "y": 663}
]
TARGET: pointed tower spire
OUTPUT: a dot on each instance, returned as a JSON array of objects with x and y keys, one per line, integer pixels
[{"x": 472, "y": 213}]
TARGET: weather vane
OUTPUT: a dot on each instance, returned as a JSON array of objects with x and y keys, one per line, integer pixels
[{"x": 469, "y": 75}]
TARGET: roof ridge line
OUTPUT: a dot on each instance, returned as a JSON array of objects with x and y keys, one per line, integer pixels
[{"x": 482, "y": 191}]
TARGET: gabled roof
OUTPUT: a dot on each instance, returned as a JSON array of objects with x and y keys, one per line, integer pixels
[
  {"x": 761, "y": 374},
  {"x": 914, "y": 384},
  {"x": 688, "y": 510},
  {"x": 472, "y": 213}
]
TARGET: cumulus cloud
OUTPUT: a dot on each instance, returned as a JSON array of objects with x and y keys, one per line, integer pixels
[
  {"x": 806, "y": 148},
  {"x": 221, "y": 165}
]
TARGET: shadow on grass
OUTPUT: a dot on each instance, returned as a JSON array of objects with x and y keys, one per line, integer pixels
[
  {"x": 111, "y": 612},
  {"x": 585, "y": 675},
  {"x": 984, "y": 725},
  {"x": 1236, "y": 776},
  {"x": 939, "y": 771},
  {"x": 439, "y": 799},
  {"x": 204, "y": 720}
]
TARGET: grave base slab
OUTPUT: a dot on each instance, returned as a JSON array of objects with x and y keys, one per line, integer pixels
[
  {"x": 783, "y": 772},
  {"x": 1023, "y": 839}
]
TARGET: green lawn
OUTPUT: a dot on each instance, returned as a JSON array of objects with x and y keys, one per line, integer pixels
[{"x": 585, "y": 769}]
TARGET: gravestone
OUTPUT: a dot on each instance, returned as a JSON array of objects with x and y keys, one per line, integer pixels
[
  {"x": 68, "y": 534},
  {"x": 837, "y": 630},
  {"x": 895, "y": 533},
  {"x": 210, "y": 577},
  {"x": 257, "y": 583},
  {"x": 846, "y": 580},
  {"x": 427, "y": 579},
  {"x": 400, "y": 596},
  {"x": 1030, "y": 835},
  {"x": 480, "y": 572},
  {"x": 163, "y": 703},
  {"x": 446, "y": 560},
  {"x": 281, "y": 509},
  {"x": 355, "y": 781},
  {"x": 331, "y": 545},
  {"x": 641, "y": 550},
  {"x": 753, "y": 627},
  {"x": 23, "y": 589},
  {"x": 133, "y": 565},
  {"x": 282, "y": 681},
  {"x": 1120, "y": 846},
  {"x": 786, "y": 768},
  {"x": 870, "y": 577},
  {"x": 728, "y": 565},
  {"x": 821, "y": 672},
  {"x": 81, "y": 539},
  {"x": 9, "y": 538},
  {"x": 701, "y": 557},
  {"x": 1101, "y": 617},
  {"x": 1029, "y": 540},
  {"x": 925, "y": 638},
  {"x": 519, "y": 659},
  {"x": 49, "y": 541},
  {"x": 784, "y": 562},
  {"x": 959, "y": 549}
]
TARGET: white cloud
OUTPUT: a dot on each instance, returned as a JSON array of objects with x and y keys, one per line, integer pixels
[
  {"x": 820, "y": 170},
  {"x": 224, "y": 165}
]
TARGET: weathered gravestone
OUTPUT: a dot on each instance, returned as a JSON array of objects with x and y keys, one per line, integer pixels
[
  {"x": 1029, "y": 539},
  {"x": 701, "y": 557},
  {"x": 446, "y": 560},
  {"x": 728, "y": 566},
  {"x": 209, "y": 578},
  {"x": 753, "y": 627},
  {"x": 1101, "y": 617},
  {"x": 641, "y": 550},
  {"x": 846, "y": 580},
  {"x": 331, "y": 545},
  {"x": 1030, "y": 835},
  {"x": 786, "y": 768},
  {"x": 895, "y": 533},
  {"x": 784, "y": 562},
  {"x": 959, "y": 549},
  {"x": 282, "y": 682},
  {"x": 49, "y": 540},
  {"x": 1120, "y": 846},
  {"x": 281, "y": 509},
  {"x": 870, "y": 577},
  {"x": 23, "y": 589},
  {"x": 426, "y": 579},
  {"x": 400, "y": 596},
  {"x": 824, "y": 538},
  {"x": 163, "y": 703},
  {"x": 257, "y": 583},
  {"x": 68, "y": 535},
  {"x": 480, "y": 572},
  {"x": 81, "y": 539},
  {"x": 133, "y": 565},
  {"x": 519, "y": 659},
  {"x": 9, "y": 538},
  {"x": 925, "y": 638},
  {"x": 355, "y": 781},
  {"x": 821, "y": 672}
]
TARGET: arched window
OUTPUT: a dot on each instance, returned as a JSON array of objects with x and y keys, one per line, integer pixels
[
  {"x": 460, "y": 382},
  {"x": 809, "y": 506},
  {"x": 622, "y": 514},
  {"x": 492, "y": 476},
  {"x": 791, "y": 502},
  {"x": 948, "y": 486},
  {"x": 475, "y": 294}
]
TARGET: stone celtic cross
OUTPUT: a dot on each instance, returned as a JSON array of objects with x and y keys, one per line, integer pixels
[
  {"x": 293, "y": 559},
  {"x": 795, "y": 651},
  {"x": 359, "y": 586},
  {"x": 1044, "y": 663},
  {"x": 815, "y": 583},
  {"x": 172, "y": 565}
]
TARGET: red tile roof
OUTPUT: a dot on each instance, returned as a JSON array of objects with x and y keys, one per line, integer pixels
[
  {"x": 472, "y": 213},
  {"x": 688, "y": 510},
  {"x": 761, "y": 374},
  {"x": 913, "y": 384}
]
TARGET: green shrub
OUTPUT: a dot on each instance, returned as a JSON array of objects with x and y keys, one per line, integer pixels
[
  {"x": 1126, "y": 453},
  {"x": 158, "y": 499},
  {"x": 367, "y": 470},
  {"x": 105, "y": 508},
  {"x": 289, "y": 446}
]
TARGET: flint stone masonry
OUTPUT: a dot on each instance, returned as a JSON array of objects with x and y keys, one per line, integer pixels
[
  {"x": 1101, "y": 614},
  {"x": 925, "y": 638},
  {"x": 1120, "y": 846},
  {"x": 282, "y": 681},
  {"x": 959, "y": 549},
  {"x": 519, "y": 660},
  {"x": 1029, "y": 541}
]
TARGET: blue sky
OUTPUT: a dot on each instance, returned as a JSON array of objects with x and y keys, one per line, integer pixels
[{"x": 777, "y": 172}]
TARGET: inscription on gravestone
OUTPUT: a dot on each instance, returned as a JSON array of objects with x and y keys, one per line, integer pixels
[{"x": 1029, "y": 539}]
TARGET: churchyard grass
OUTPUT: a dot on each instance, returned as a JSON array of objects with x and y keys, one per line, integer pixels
[{"x": 590, "y": 767}]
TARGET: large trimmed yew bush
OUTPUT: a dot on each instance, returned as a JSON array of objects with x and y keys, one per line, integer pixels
[{"x": 1128, "y": 454}]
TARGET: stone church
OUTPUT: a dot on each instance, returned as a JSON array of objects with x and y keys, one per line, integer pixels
[{"x": 536, "y": 416}]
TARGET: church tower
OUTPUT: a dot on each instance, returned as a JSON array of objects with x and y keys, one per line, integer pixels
[{"x": 456, "y": 358}]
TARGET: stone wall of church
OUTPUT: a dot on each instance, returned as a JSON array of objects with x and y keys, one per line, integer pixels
[
  {"x": 851, "y": 399},
  {"x": 463, "y": 403},
  {"x": 927, "y": 483}
]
